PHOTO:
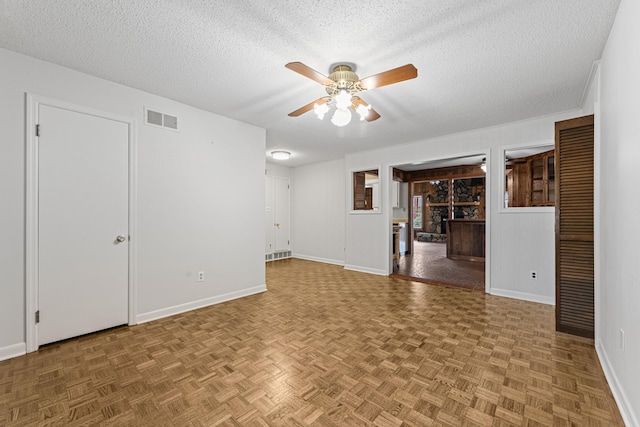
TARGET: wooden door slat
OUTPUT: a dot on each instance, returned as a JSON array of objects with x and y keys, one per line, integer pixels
[{"x": 574, "y": 226}]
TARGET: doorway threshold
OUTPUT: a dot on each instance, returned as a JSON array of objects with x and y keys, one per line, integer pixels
[
  {"x": 468, "y": 287},
  {"x": 429, "y": 264}
]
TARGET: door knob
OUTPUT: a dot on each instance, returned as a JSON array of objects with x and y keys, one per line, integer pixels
[{"x": 120, "y": 238}]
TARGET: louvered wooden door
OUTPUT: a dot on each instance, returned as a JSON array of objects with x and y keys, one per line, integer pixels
[{"x": 574, "y": 226}]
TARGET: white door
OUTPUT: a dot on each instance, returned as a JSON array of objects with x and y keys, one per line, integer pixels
[
  {"x": 83, "y": 178},
  {"x": 269, "y": 225},
  {"x": 282, "y": 214}
]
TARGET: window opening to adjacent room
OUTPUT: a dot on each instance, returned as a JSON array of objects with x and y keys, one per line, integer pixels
[
  {"x": 529, "y": 177},
  {"x": 366, "y": 190}
]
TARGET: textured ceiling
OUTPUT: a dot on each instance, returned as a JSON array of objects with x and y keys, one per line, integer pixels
[{"x": 480, "y": 63}]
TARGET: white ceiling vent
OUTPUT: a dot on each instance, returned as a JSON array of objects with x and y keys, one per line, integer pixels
[{"x": 156, "y": 118}]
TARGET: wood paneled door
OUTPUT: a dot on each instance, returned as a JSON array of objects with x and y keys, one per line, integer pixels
[{"x": 574, "y": 226}]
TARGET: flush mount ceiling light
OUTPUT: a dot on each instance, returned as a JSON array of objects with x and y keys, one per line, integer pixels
[
  {"x": 342, "y": 85},
  {"x": 280, "y": 155}
]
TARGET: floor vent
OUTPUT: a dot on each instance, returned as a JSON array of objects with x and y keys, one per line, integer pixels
[
  {"x": 277, "y": 255},
  {"x": 156, "y": 118}
]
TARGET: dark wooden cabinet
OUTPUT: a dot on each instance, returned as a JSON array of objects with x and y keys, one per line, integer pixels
[
  {"x": 542, "y": 192},
  {"x": 359, "y": 193},
  {"x": 466, "y": 239},
  {"x": 530, "y": 181}
]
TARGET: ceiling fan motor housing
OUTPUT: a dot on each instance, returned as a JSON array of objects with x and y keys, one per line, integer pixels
[{"x": 344, "y": 78}]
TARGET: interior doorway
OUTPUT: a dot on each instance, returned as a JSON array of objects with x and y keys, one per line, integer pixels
[{"x": 443, "y": 215}]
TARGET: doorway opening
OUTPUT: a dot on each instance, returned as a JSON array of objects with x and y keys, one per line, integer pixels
[{"x": 439, "y": 222}]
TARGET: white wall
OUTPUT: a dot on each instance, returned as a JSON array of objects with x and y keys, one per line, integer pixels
[
  {"x": 318, "y": 211},
  {"x": 519, "y": 241},
  {"x": 618, "y": 290},
  {"x": 192, "y": 216}
]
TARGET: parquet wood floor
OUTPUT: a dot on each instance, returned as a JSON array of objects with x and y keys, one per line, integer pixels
[{"x": 324, "y": 347}]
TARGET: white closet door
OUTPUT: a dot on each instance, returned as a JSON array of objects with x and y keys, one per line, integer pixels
[
  {"x": 82, "y": 223},
  {"x": 282, "y": 214}
]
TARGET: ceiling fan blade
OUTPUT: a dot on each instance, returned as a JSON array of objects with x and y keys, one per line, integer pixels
[
  {"x": 373, "y": 114},
  {"x": 309, "y": 106},
  {"x": 400, "y": 74},
  {"x": 300, "y": 68}
]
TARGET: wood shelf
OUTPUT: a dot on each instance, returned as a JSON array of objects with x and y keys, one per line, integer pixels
[
  {"x": 466, "y": 204},
  {"x": 438, "y": 204}
]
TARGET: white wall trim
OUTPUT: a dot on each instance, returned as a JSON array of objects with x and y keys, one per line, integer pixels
[
  {"x": 31, "y": 240},
  {"x": 523, "y": 296},
  {"x": 367, "y": 270},
  {"x": 488, "y": 216},
  {"x": 318, "y": 259},
  {"x": 133, "y": 223},
  {"x": 193, "y": 305},
  {"x": 14, "y": 350},
  {"x": 593, "y": 75},
  {"x": 625, "y": 407},
  {"x": 31, "y": 225},
  {"x": 597, "y": 216}
]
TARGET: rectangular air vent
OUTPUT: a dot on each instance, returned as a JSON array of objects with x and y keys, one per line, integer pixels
[
  {"x": 156, "y": 118},
  {"x": 277, "y": 255},
  {"x": 170, "y": 122}
]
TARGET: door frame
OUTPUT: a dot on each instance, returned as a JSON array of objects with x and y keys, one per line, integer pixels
[{"x": 33, "y": 102}]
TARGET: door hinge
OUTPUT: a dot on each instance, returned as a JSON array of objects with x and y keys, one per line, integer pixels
[
  {"x": 37, "y": 130},
  {"x": 38, "y": 316}
]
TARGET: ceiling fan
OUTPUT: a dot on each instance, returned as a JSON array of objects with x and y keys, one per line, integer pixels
[{"x": 342, "y": 86}]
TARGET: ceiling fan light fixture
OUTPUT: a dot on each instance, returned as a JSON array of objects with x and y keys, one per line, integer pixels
[
  {"x": 343, "y": 99},
  {"x": 281, "y": 155},
  {"x": 341, "y": 117},
  {"x": 320, "y": 110},
  {"x": 363, "y": 111}
]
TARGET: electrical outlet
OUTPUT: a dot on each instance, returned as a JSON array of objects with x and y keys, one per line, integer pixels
[
  {"x": 621, "y": 339},
  {"x": 200, "y": 276},
  {"x": 533, "y": 275}
]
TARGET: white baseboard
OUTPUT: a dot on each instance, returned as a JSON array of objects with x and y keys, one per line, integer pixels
[
  {"x": 523, "y": 296},
  {"x": 181, "y": 308},
  {"x": 318, "y": 259},
  {"x": 626, "y": 409},
  {"x": 13, "y": 350},
  {"x": 365, "y": 270}
]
